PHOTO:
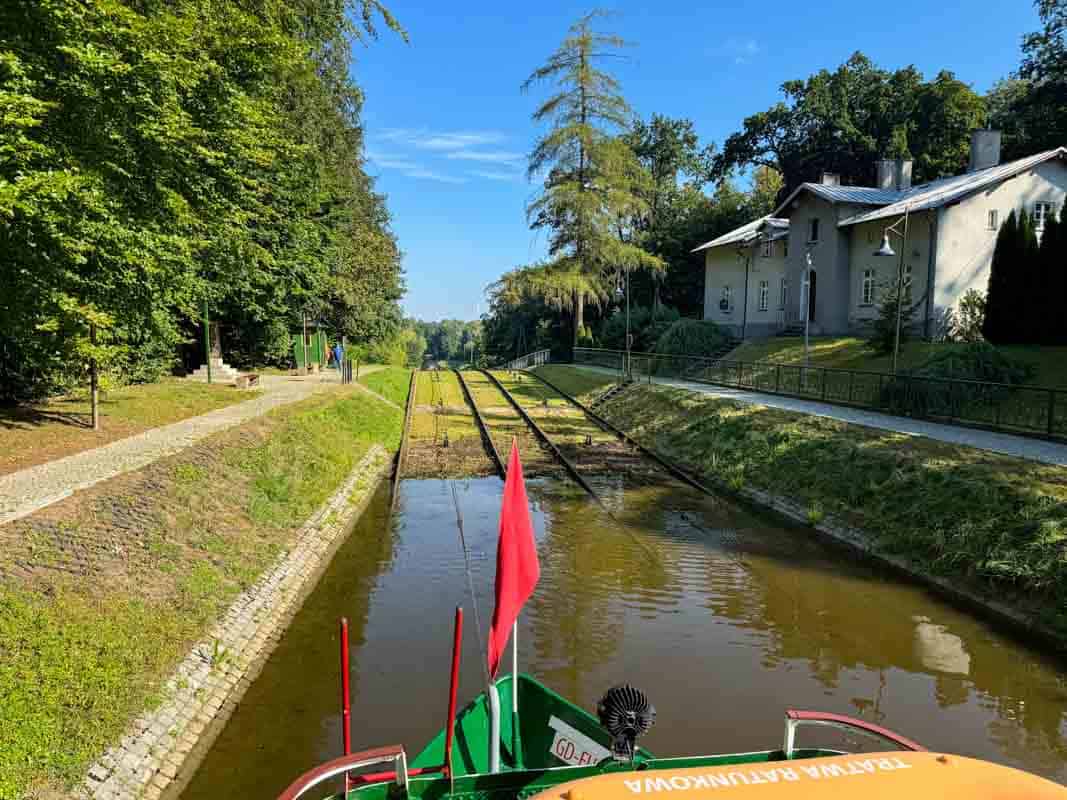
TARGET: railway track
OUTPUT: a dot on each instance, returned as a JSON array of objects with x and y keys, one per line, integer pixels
[
  {"x": 547, "y": 442},
  {"x": 673, "y": 469},
  {"x": 490, "y": 445}
]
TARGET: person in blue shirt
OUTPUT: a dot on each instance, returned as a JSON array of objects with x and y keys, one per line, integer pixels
[{"x": 338, "y": 354}]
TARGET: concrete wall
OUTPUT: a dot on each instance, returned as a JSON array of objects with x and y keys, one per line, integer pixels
[
  {"x": 965, "y": 242},
  {"x": 863, "y": 241},
  {"x": 724, "y": 267}
]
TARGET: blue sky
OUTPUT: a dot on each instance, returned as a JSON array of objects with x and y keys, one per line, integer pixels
[{"x": 448, "y": 129}]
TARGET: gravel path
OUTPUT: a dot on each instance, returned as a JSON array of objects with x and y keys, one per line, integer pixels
[
  {"x": 1005, "y": 443},
  {"x": 28, "y": 490}
]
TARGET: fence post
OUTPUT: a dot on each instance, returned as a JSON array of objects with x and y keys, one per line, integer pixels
[
  {"x": 824, "y": 384},
  {"x": 777, "y": 378},
  {"x": 1051, "y": 410},
  {"x": 740, "y": 376}
]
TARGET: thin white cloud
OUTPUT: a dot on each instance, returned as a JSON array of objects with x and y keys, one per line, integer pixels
[
  {"x": 444, "y": 141},
  {"x": 430, "y": 175},
  {"x": 391, "y": 162},
  {"x": 496, "y": 176},
  {"x": 488, "y": 156}
]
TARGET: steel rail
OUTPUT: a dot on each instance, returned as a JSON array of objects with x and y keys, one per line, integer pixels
[
  {"x": 403, "y": 451},
  {"x": 543, "y": 437},
  {"x": 674, "y": 470},
  {"x": 482, "y": 427}
]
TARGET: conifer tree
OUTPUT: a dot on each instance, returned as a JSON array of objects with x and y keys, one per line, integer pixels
[
  {"x": 1025, "y": 279},
  {"x": 999, "y": 299},
  {"x": 1052, "y": 286},
  {"x": 593, "y": 178}
]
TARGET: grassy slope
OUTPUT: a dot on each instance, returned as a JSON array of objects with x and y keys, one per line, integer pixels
[
  {"x": 390, "y": 382},
  {"x": 80, "y": 656},
  {"x": 1050, "y": 363},
  {"x": 34, "y": 434},
  {"x": 958, "y": 511}
]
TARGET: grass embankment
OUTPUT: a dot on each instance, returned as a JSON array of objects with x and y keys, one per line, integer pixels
[
  {"x": 102, "y": 594},
  {"x": 993, "y": 521},
  {"x": 37, "y": 433},
  {"x": 390, "y": 382},
  {"x": 1049, "y": 363}
]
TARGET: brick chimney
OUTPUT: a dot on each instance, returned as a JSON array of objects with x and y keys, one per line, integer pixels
[{"x": 985, "y": 149}]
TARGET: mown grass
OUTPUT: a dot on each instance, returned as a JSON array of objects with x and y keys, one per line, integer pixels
[
  {"x": 37, "y": 433},
  {"x": 80, "y": 656},
  {"x": 390, "y": 382},
  {"x": 849, "y": 352},
  {"x": 582, "y": 385},
  {"x": 954, "y": 510}
]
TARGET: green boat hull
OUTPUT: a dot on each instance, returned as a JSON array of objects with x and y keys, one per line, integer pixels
[{"x": 553, "y": 734}]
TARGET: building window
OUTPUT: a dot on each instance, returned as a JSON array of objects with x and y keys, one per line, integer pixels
[
  {"x": 767, "y": 250},
  {"x": 813, "y": 230},
  {"x": 994, "y": 219},
  {"x": 1042, "y": 211},
  {"x": 726, "y": 303},
  {"x": 867, "y": 298},
  {"x": 764, "y": 294},
  {"x": 783, "y": 298}
]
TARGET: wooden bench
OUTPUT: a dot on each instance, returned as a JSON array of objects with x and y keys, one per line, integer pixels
[{"x": 246, "y": 380}]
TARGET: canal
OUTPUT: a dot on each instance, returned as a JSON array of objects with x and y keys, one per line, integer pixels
[{"x": 723, "y": 616}]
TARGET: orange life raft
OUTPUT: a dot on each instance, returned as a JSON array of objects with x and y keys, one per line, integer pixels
[{"x": 869, "y": 776}]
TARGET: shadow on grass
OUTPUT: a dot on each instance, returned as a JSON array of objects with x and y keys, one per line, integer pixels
[{"x": 23, "y": 418}]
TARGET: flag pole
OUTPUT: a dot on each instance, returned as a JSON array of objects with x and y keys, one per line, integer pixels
[{"x": 515, "y": 742}]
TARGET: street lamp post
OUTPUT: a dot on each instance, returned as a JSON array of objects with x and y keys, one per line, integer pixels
[
  {"x": 886, "y": 250},
  {"x": 806, "y": 289},
  {"x": 619, "y": 292}
]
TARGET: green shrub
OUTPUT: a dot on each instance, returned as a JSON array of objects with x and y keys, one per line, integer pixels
[
  {"x": 691, "y": 337},
  {"x": 979, "y": 361},
  {"x": 647, "y": 327}
]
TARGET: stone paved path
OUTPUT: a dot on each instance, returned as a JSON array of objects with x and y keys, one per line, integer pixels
[
  {"x": 1005, "y": 443},
  {"x": 30, "y": 489}
]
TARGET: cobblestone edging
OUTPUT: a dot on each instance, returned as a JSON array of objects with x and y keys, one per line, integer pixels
[{"x": 162, "y": 748}]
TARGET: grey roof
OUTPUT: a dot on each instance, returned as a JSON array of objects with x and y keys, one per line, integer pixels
[
  {"x": 946, "y": 190},
  {"x": 746, "y": 233},
  {"x": 749, "y": 232},
  {"x": 861, "y": 195}
]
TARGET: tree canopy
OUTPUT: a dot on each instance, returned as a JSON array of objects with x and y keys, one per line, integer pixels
[
  {"x": 159, "y": 154},
  {"x": 845, "y": 120}
]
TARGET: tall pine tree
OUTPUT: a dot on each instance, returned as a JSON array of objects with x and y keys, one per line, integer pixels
[
  {"x": 1000, "y": 308},
  {"x": 593, "y": 179}
]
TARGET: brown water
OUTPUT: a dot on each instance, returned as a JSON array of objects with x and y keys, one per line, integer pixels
[{"x": 724, "y": 617}]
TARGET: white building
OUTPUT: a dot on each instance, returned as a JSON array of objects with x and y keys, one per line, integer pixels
[{"x": 754, "y": 275}]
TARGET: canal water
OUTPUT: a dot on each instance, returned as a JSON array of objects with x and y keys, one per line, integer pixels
[{"x": 723, "y": 616}]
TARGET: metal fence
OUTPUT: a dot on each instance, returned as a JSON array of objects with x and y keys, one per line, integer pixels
[
  {"x": 531, "y": 360},
  {"x": 1032, "y": 410}
]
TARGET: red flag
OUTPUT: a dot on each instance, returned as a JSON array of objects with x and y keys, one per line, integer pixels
[{"x": 517, "y": 569}]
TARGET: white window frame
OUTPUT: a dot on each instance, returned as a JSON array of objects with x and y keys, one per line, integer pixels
[
  {"x": 867, "y": 288},
  {"x": 783, "y": 295},
  {"x": 1042, "y": 211},
  {"x": 767, "y": 248},
  {"x": 993, "y": 220},
  {"x": 728, "y": 296},
  {"x": 764, "y": 294},
  {"x": 813, "y": 230}
]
